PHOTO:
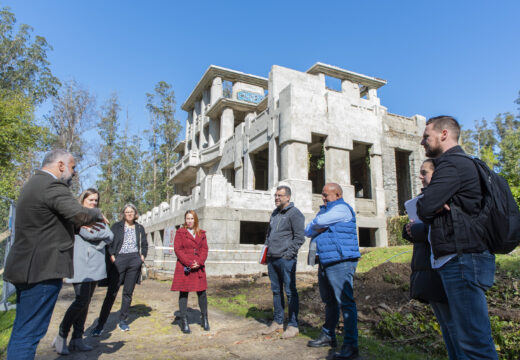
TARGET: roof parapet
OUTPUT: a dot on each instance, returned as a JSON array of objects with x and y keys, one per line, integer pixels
[{"x": 334, "y": 71}]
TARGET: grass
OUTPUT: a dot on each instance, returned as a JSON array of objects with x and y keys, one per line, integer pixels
[
  {"x": 377, "y": 256},
  {"x": 6, "y": 325},
  {"x": 370, "y": 347}
]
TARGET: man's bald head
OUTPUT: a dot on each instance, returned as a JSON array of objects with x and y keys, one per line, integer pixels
[{"x": 331, "y": 192}]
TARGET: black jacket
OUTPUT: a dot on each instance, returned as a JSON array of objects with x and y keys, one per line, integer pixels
[
  {"x": 455, "y": 182},
  {"x": 425, "y": 283},
  {"x": 119, "y": 235},
  {"x": 285, "y": 234},
  {"x": 46, "y": 214}
]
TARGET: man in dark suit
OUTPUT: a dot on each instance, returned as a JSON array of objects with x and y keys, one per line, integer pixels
[{"x": 41, "y": 255}]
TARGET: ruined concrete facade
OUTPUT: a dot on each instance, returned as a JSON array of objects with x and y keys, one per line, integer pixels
[{"x": 246, "y": 135}]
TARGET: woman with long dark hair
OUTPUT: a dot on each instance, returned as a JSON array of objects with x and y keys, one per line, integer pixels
[
  {"x": 127, "y": 253},
  {"x": 89, "y": 267},
  {"x": 191, "y": 249}
]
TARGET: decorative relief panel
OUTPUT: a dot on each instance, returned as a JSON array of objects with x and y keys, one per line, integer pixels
[{"x": 250, "y": 97}]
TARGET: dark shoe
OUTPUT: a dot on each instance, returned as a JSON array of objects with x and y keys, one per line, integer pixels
[
  {"x": 323, "y": 340},
  {"x": 96, "y": 332},
  {"x": 185, "y": 327},
  {"x": 123, "y": 326},
  {"x": 204, "y": 322},
  {"x": 60, "y": 345},
  {"x": 348, "y": 352},
  {"x": 79, "y": 345}
]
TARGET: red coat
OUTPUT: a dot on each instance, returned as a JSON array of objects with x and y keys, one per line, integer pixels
[{"x": 188, "y": 250}]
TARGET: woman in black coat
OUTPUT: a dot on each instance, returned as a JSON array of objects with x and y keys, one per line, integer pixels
[
  {"x": 425, "y": 283},
  {"x": 126, "y": 256}
]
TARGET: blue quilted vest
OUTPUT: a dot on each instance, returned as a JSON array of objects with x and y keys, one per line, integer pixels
[{"x": 339, "y": 242}]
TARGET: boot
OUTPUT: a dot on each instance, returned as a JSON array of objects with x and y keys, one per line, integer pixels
[
  {"x": 79, "y": 345},
  {"x": 60, "y": 345},
  {"x": 185, "y": 326},
  {"x": 204, "y": 322}
]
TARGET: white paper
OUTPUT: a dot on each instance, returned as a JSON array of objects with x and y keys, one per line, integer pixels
[{"x": 411, "y": 209}]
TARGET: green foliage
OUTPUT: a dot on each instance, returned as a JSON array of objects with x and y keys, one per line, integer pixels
[
  {"x": 163, "y": 138},
  {"x": 506, "y": 335},
  {"x": 107, "y": 130},
  {"x": 419, "y": 327},
  {"x": 6, "y": 326},
  {"x": 23, "y": 61},
  {"x": 394, "y": 227}
]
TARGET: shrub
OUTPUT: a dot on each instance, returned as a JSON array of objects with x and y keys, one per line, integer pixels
[{"x": 394, "y": 227}]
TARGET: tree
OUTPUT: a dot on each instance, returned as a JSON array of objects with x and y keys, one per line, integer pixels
[
  {"x": 71, "y": 116},
  {"x": 108, "y": 127},
  {"x": 508, "y": 129},
  {"x": 128, "y": 172},
  {"x": 164, "y": 134},
  {"x": 23, "y": 61}
]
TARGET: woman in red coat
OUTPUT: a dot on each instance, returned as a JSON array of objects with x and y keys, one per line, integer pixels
[{"x": 191, "y": 249}]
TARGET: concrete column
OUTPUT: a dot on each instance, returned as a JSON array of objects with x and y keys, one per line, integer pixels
[
  {"x": 294, "y": 161},
  {"x": 337, "y": 167},
  {"x": 272, "y": 173},
  {"x": 248, "y": 173},
  {"x": 227, "y": 122},
  {"x": 216, "y": 90},
  {"x": 378, "y": 191},
  {"x": 350, "y": 89},
  {"x": 194, "y": 146},
  {"x": 189, "y": 124},
  {"x": 238, "y": 165}
]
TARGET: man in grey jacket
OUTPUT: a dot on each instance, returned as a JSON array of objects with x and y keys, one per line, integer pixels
[{"x": 284, "y": 238}]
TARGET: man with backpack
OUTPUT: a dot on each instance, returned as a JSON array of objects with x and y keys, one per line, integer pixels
[{"x": 460, "y": 253}]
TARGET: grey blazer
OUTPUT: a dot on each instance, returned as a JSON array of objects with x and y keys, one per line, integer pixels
[{"x": 89, "y": 254}]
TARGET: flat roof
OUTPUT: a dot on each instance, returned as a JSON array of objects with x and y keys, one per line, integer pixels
[
  {"x": 214, "y": 71},
  {"x": 334, "y": 71}
]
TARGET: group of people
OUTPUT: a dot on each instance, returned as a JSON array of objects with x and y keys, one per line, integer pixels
[
  {"x": 58, "y": 237},
  {"x": 451, "y": 270}
]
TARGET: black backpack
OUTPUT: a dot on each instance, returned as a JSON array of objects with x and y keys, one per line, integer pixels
[{"x": 499, "y": 218}]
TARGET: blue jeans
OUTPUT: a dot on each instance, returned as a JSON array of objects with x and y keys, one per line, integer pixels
[
  {"x": 449, "y": 331},
  {"x": 336, "y": 291},
  {"x": 466, "y": 279},
  {"x": 282, "y": 273},
  {"x": 34, "y": 306}
]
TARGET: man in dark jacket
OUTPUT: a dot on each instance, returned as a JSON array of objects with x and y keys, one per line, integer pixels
[
  {"x": 284, "y": 239},
  {"x": 461, "y": 257},
  {"x": 41, "y": 255}
]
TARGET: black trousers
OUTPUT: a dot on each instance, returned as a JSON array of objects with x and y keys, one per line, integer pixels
[
  {"x": 125, "y": 271},
  {"x": 183, "y": 302},
  {"x": 76, "y": 314}
]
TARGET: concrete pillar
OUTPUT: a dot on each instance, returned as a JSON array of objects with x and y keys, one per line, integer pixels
[
  {"x": 248, "y": 173},
  {"x": 216, "y": 90},
  {"x": 272, "y": 173},
  {"x": 227, "y": 124},
  {"x": 194, "y": 146},
  {"x": 189, "y": 124},
  {"x": 350, "y": 89},
  {"x": 238, "y": 165},
  {"x": 337, "y": 167},
  {"x": 294, "y": 161}
]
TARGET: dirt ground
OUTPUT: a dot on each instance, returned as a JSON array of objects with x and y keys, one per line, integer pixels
[{"x": 155, "y": 335}]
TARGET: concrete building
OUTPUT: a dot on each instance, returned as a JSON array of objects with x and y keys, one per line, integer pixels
[{"x": 247, "y": 134}]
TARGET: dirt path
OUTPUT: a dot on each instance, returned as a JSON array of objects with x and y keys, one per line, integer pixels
[{"x": 154, "y": 336}]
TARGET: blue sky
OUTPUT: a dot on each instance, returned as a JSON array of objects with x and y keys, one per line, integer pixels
[{"x": 439, "y": 57}]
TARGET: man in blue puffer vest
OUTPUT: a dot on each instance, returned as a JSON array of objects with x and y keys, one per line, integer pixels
[{"x": 334, "y": 231}]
